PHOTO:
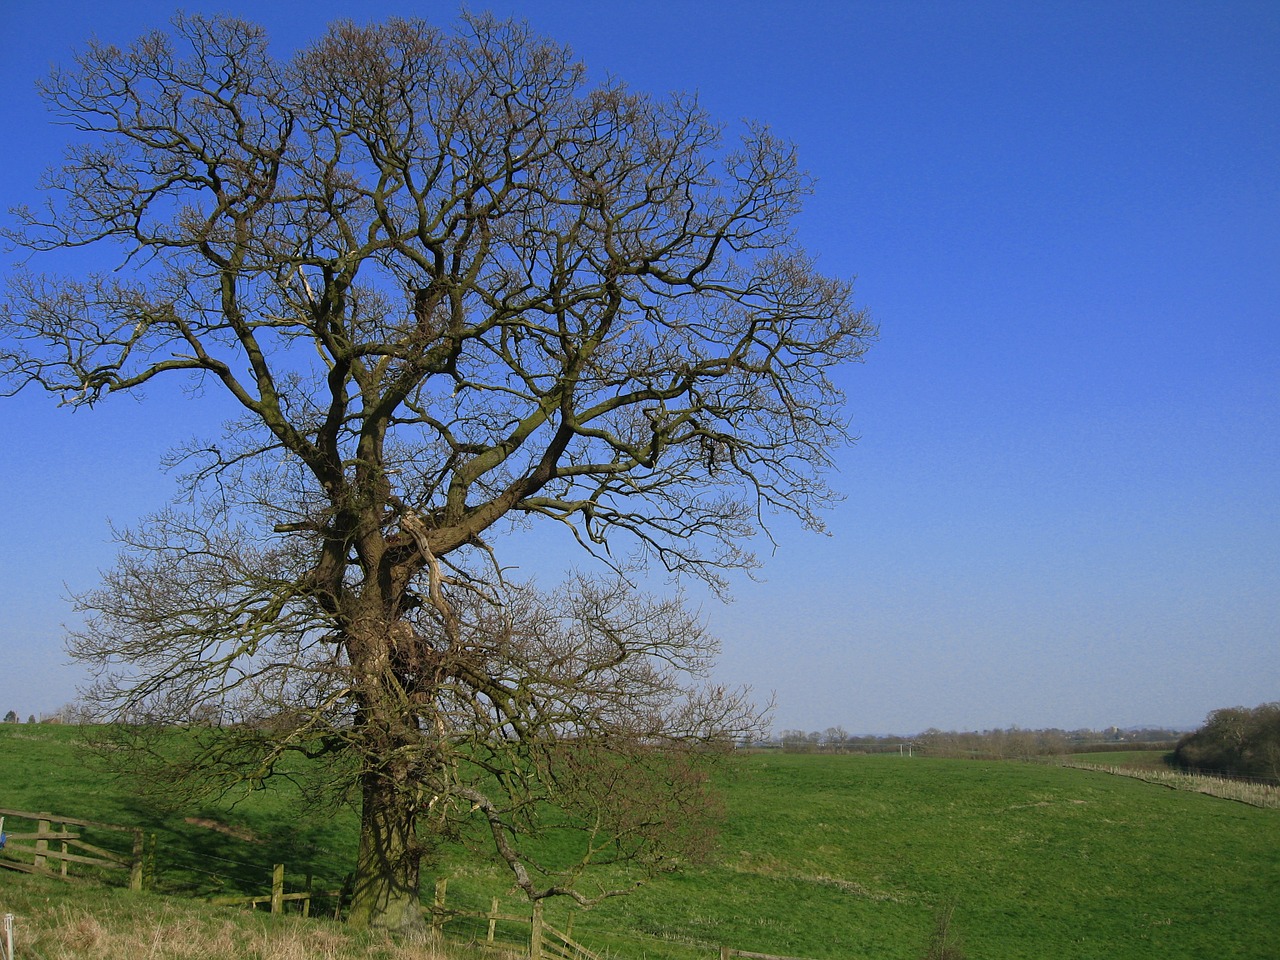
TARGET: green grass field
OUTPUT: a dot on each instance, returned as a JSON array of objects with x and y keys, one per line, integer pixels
[{"x": 822, "y": 857}]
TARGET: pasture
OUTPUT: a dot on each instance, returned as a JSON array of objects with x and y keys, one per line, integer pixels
[{"x": 820, "y": 856}]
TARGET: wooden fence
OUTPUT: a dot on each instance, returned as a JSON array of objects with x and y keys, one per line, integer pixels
[
  {"x": 55, "y": 838},
  {"x": 277, "y": 898},
  {"x": 545, "y": 941}
]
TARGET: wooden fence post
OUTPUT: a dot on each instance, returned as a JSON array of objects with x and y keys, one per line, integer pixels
[
  {"x": 344, "y": 895},
  {"x": 139, "y": 854},
  {"x": 493, "y": 919},
  {"x": 535, "y": 932},
  {"x": 42, "y": 844},
  {"x": 62, "y": 828},
  {"x": 437, "y": 909},
  {"x": 277, "y": 888},
  {"x": 149, "y": 870}
]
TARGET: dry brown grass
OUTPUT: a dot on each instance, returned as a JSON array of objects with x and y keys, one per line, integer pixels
[{"x": 168, "y": 932}]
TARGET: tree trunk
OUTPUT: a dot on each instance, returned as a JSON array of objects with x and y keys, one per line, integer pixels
[{"x": 386, "y": 892}]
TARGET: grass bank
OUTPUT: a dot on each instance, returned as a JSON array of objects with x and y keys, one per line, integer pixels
[{"x": 54, "y": 920}]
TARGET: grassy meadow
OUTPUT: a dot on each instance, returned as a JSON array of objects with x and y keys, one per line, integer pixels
[{"x": 820, "y": 856}]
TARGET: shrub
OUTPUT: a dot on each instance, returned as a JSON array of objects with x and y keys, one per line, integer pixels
[{"x": 1235, "y": 741}]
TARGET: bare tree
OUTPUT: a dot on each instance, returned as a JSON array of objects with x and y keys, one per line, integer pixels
[{"x": 450, "y": 286}]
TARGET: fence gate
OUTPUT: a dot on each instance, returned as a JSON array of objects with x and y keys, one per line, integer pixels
[{"x": 51, "y": 851}]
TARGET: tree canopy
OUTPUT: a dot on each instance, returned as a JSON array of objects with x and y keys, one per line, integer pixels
[{"x": 451, "y": 285}]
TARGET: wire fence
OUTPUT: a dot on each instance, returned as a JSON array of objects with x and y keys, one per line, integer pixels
[{"x": 1257, "y": 793}]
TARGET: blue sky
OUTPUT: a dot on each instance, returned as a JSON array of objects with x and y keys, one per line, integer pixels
[{"x": 1064, "y": 508}]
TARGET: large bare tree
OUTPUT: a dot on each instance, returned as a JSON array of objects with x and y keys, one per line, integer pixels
[{"x": 450, "y": 285}]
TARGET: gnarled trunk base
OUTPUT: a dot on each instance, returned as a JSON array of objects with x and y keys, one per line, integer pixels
[{"x": 386, "y": 892}]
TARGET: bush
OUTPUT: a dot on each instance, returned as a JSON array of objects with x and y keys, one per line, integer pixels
[{"x": 1236, "y": 742}]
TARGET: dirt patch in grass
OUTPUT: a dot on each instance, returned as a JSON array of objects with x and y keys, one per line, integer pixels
[{"x": 240, "y": 833}]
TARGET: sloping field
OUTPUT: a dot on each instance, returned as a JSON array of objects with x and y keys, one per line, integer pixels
[
  {"x": 1138, "y": 759},
  {"x": 850, "y": 856},
  {"x": 846, "y": 857}
]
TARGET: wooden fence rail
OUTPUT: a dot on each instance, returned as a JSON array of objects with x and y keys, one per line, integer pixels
[
  {"x": 68, "y": 840},
  {"x": 726, "y": 953}
]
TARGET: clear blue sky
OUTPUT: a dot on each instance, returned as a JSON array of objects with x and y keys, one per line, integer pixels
[{"x": 1064, "y": 509}]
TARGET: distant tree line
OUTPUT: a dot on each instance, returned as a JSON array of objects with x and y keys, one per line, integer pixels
[
  {"x": 998, "y": 743},
  {"x": 72, "y": 713},
  {"x": 1236, "y": 742}
]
